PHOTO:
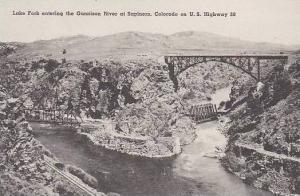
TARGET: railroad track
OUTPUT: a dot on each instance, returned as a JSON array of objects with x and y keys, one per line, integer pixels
[{"x": 74, "y": 182}]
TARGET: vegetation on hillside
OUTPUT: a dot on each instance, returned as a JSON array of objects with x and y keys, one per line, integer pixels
[
  {"x": 23, "y": 171},
  {"x": 269, "y": 123},
  {"x": 135, "y": 92},
  {"x": 138, "y": 94}
]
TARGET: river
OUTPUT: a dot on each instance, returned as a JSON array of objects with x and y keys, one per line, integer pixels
[{"x": 192, "y": 173}]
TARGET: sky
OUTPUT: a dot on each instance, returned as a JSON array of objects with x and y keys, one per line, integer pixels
[{"x": 276, "y": 21}]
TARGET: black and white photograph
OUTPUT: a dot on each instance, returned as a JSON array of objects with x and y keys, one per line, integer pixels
[{"x": 149, "y": 98}]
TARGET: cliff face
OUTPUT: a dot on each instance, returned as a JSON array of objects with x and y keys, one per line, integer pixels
[
  {"x": 137, "y": 94},
  {"x": 23, "y": 170},
  {"x": 263, "y": 147},
  {"x": 81, "y": 86},
  {"x": 126, "y": 82}
]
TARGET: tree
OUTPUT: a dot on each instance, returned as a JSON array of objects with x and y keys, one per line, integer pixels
[{"x": 51, "y": 65}]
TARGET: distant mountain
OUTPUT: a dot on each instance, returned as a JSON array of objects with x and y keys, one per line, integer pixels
[
  {"x": 208, "y": 41},
  {"x": 8, "y": 48},
  {"x": 297, "y": 52},
  {"x": 141, "y": 44}
]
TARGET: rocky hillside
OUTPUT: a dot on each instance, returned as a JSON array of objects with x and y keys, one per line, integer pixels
[
  {"x": 23, "y": 169},
  {"x": 263, "y": 147},
  {"x": 118, "y": 77},
  {"x": 123, "y": 90},
  {"x": 124, "y": 87}
]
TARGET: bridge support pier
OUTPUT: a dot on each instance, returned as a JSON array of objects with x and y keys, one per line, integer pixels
[
  {"x": 172, "y": 76},
  {"x": 258, "y": 71}
]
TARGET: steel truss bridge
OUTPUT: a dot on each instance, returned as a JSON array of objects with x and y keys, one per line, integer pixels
[
  {"x": 51, "y": 116},
  {"x": 249, "y": 64},
  {"x": 203, "y": 112}
]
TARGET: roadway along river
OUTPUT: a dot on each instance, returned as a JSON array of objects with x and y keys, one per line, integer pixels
[{"x": 191, "y": 173}]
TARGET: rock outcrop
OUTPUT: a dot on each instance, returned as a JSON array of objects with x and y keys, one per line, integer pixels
[
  {"x": 23, "y": 170},
  {"x": 263, "y": 147}
]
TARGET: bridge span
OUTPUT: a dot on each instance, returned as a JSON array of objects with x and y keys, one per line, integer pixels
[
  {"x": 51, "y": 116},
  {"x": 249, "y": 64},
  {"x": 203, "y": 112}
]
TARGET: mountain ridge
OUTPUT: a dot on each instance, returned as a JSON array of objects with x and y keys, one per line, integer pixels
[{"x": 132, "y": 43}]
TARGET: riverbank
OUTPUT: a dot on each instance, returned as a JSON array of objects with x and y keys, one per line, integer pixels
[
  {"x": 28, "y": 168},
  {"x": 99, "y": 135},
  {"x": 263, "y": 147},
  {"x": 264, "y": 169},
  {"x": 250, "y": 157},
  {"x": 104, "y": 134},
  {"x": 192, "y": 172}
]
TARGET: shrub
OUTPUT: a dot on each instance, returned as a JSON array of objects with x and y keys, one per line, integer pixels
[
  {"x": 51, "y": 65},
  {"x": 86, "y": 178}
]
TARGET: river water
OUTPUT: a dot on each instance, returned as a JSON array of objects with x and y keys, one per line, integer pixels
[{"x": 192, "y": 173}]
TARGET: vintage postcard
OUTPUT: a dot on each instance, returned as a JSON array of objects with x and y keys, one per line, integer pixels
[{"x": 149, "y": 98}]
